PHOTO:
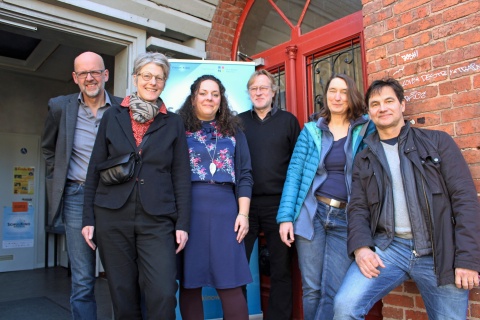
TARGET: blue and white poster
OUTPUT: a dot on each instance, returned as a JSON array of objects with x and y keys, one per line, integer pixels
[
  {"x": 234, "y": 76},
  {"x": 18, "y": 228}
]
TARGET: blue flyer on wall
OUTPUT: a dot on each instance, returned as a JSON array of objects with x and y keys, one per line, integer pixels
[{"x": 18, "y": 228}]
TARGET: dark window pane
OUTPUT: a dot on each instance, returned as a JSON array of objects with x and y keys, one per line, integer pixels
[
  {"x": 322, "y": 12},
  {"x": 16, "y": 46},
  {"x": 280, "y": 98},
  {"x": 321, "y": 66},
  {"x": 263, "y": 29}
]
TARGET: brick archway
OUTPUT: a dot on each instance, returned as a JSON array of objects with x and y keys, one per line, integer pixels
[{"x": 224, "y": 25}]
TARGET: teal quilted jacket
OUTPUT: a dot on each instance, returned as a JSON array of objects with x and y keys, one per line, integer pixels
[{"x": 305, "y": 162}]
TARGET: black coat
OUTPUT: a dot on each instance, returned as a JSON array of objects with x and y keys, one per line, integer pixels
[
  {"x": 162, "y": 176},
  {"x": 446, "y": 194}
]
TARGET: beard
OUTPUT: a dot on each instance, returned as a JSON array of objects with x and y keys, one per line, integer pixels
[{"x": 92, "y": 93}]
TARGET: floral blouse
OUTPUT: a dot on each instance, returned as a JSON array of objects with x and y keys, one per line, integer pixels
[{"x": 208, "y": 146}]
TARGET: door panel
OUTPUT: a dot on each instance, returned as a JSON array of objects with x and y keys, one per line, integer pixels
[{"x": 19, "y": 172}]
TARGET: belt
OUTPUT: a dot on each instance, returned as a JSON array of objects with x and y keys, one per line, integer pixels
[
  {"x": 215, "y": 182},
  {"x": 332, "y": 202},
  {"x": 76, "y": 181}
]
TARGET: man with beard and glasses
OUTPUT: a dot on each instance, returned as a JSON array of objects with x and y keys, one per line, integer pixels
[{"x": 70, "y": 130}]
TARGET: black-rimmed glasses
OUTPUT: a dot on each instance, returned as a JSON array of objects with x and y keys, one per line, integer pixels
[{"x": 94, "y": 73}]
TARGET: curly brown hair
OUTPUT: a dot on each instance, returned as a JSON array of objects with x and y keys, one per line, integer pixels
[{"x": 225, "y": 119}]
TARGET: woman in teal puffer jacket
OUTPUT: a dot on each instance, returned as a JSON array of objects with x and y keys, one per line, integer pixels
[{"x": 316, "y": 192}]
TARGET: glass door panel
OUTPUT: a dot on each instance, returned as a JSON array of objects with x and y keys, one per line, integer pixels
[{"x": 321, "y": 66}]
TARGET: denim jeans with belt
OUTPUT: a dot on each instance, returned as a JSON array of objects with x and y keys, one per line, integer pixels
[
  {"x": 358, "y": 293},
  {"x": 323, "y": 261},
  {"x": 81, "y": 256}
]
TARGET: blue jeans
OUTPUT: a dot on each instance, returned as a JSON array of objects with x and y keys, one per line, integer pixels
[
  {"x": 323, "y": 261},
  {"x": 81, "y": 256},
  {"x": 358, "y": 293}
]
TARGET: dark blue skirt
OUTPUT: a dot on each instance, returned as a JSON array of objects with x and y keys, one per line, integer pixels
[{"x": 212, "y": 256}]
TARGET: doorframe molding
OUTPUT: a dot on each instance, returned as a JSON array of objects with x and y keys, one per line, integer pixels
[{"x": 133, "y": 40}]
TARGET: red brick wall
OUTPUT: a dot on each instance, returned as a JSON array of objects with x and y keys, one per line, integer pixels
[
  {"x": 405, "y": 302},
  {"x": 224, "y": 24},
  {"x": 433, "y": 48}
]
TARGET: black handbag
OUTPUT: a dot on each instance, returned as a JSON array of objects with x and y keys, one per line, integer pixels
[
  {"x": 117, "y": 170},
  {"x": 120, "y": 169}
]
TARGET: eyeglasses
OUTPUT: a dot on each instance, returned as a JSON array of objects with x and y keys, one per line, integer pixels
[
  {"x": 262, "y": 89},
  {"x": 94, "y": 73},
  {"x": 147, "y": 76}
]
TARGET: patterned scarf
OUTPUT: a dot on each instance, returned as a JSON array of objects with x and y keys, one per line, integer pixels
[{"x": 142, "y": 111}]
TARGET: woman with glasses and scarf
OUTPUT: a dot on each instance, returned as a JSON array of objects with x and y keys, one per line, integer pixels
[
  {"x": 222, "y": 183},
  {"x": 141, "y": 224}
]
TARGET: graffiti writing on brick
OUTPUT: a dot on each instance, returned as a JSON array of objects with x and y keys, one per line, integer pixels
[
  {"x": 409, "y": 56},
  {"x": 431, "y": 76},
  {"x": 399, "y": 70},
  {"x": 443, "y": 73},
  {"x": 470, "y": 67},
  {"x": 410, "y": 81},
  {"x": 416, "y": 95}
]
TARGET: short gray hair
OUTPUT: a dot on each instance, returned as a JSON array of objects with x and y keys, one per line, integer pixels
[{"x": 151, "y": 57}]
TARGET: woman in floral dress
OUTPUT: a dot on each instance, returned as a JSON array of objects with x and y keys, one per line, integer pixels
[{"x": 221, "y": 189}]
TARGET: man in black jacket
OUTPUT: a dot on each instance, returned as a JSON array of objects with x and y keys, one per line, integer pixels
[
  {"x": 271, "y": 135},
  {"x": 413, "y": 214}
]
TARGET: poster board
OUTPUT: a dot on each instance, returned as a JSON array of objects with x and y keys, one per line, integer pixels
[{"x": 234, "y": 76}]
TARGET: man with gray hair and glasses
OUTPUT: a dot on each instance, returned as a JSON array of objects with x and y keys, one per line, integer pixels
[
  {"x": 271, "y": 136},
  {"x": 70, "y": 130}
]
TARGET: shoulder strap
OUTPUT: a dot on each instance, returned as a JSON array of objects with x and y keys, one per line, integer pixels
[{"x": 144, "y": 139}]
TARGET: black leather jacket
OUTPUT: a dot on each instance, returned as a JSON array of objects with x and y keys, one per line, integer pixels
[{"x": 446, "y": 218}]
